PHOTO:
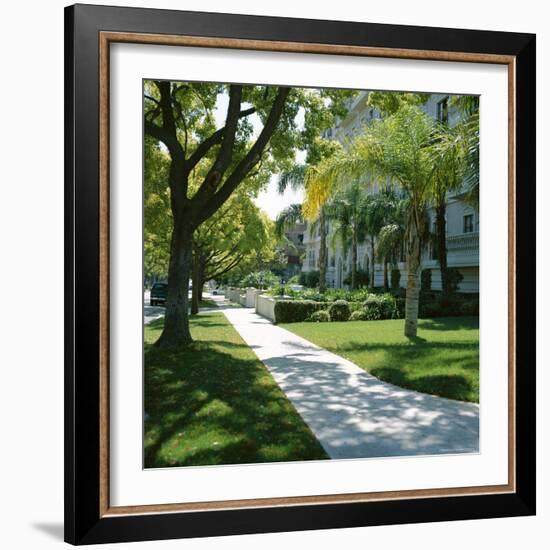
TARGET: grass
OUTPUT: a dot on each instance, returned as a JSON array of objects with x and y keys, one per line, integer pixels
[
  {"x": 443, "y": 360},
  {"x": 205, "y": 302},
  {"x": 216, "y": 403}
]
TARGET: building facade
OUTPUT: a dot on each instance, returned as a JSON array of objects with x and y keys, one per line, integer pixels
[{"x": 462, "y": 221}]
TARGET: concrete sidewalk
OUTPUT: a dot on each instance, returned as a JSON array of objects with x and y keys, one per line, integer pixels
[{"x": 353, "y": 414}]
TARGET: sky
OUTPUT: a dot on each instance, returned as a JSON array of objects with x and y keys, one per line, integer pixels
[{"x": 269, "y": 200}]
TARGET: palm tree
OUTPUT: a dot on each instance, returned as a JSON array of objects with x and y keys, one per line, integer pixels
[
  {"x": 392, "y": 233},
  {"x": 390, "y": 240},
  {"x": 296, "y": 179},
  {"x": 288, "y": 217},
  {"x": 398, "y": 148},
  {"x": 468, "y": 106},
  {"x": 449, "y": 167},
  {"x": 347, "y": 209}
]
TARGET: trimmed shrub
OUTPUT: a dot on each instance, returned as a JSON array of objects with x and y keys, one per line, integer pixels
[
  {"x": 381, "y": 306},
  {"x": 295, "y": 311},
  {"x": 339, "y": 311},
  {"x": 359, "y": 315},
  {"x": 321, "y": 316}
]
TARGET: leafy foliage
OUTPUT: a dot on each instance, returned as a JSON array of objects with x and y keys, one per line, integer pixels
[
  {"x": 321, "y": 316},
  {"x": 380, "y": 306},
  {"x": 259, "y": 279},
  {"x": 339, "y": 311}
]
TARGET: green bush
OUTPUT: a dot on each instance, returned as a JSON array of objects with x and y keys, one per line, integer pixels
[
  {"x": 359, "y": 315},
  {"x": 339, "y": 311},
  {"x": 259, "y": 279},
  {"x": 295, "y": 311},
  {"x": 381, "y": 306},
  {"x": 321, "y": 316},
  {"x": 309, "y": 279}
]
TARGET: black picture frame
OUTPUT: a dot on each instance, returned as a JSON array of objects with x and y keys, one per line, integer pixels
[{"x": 84, "y": 523}]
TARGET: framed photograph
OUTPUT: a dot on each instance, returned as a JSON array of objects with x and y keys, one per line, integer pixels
[{"x": 300, "y": 274}]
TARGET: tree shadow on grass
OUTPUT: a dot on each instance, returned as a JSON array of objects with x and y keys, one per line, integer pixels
[
  {"x": 449, "y": 323},
  {"x": 209, "y": 406},
  {"x": 452, "y": 386},
  {"x": 446, "y": 369}
]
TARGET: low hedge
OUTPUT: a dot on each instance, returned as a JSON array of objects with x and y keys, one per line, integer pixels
[
  {"x": 378, "y": 306},
  {"x": 296, "y": 311}
]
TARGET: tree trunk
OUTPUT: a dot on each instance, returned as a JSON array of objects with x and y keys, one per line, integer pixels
[
  {"x": 176, "y": 319},
  {"x": 386, "y": 282},
  {"x": 373, "y": 261},
  {"x": 413, "y": 272},
  {"x": 196, "y": 282},
  {"x": 201, "y": 284},
  {"x": 354, "y": 260},
  {"x": 322, "y": 253},
  {"x": 441, "y": 242}
]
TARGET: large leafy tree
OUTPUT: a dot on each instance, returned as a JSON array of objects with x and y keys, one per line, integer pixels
[
  {"x": 233, "y": 237},
  {"x": 156, "y": 207},
  {"x": 181, "y": 116}
]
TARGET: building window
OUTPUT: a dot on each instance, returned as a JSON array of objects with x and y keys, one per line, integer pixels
[
  {"x": 468, "y": 223},
  {"x": 443, "y": 111},
  {"x": 301, "y": 238}
]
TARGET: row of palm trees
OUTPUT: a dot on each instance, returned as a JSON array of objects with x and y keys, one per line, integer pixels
[{"x": 379, "y": 187}]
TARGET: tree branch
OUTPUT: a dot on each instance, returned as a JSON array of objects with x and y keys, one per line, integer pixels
[
  {"x": 250, "y": 159},
  {"x": 214, "y": 139}
]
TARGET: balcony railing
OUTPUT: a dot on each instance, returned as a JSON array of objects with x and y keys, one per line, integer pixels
[{"x": 466, "y": 241}]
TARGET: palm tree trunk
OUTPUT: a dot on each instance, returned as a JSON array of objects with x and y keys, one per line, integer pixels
[
  {"x": 441, "y": 242},
  {"x": 386, "y": 282},
  {"x": 373, "y": 260},
  {"x": 176, "y": 319},
  {"x": 413, "y": 272},
  {"x": 353, "y": 259},
  {"x": 322, "y": 252}
]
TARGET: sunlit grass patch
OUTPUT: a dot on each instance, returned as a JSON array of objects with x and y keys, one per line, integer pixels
[{"x": 443, "y": 360}]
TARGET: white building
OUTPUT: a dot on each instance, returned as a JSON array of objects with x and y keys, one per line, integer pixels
[{"x": 462, "y": 221}]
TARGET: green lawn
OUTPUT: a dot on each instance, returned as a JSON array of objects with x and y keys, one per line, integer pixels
[
  {"x": 216, "y": 403},
  {"x": 443, "y": 360}
]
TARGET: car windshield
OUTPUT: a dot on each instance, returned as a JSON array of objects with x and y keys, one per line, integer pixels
[{"x": 159, "y": 286}]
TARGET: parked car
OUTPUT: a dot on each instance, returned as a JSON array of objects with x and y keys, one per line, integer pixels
[{"x": 158, "y": 294}]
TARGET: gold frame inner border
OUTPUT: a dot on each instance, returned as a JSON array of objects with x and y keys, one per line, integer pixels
[{"x": 105, "y": 39}]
